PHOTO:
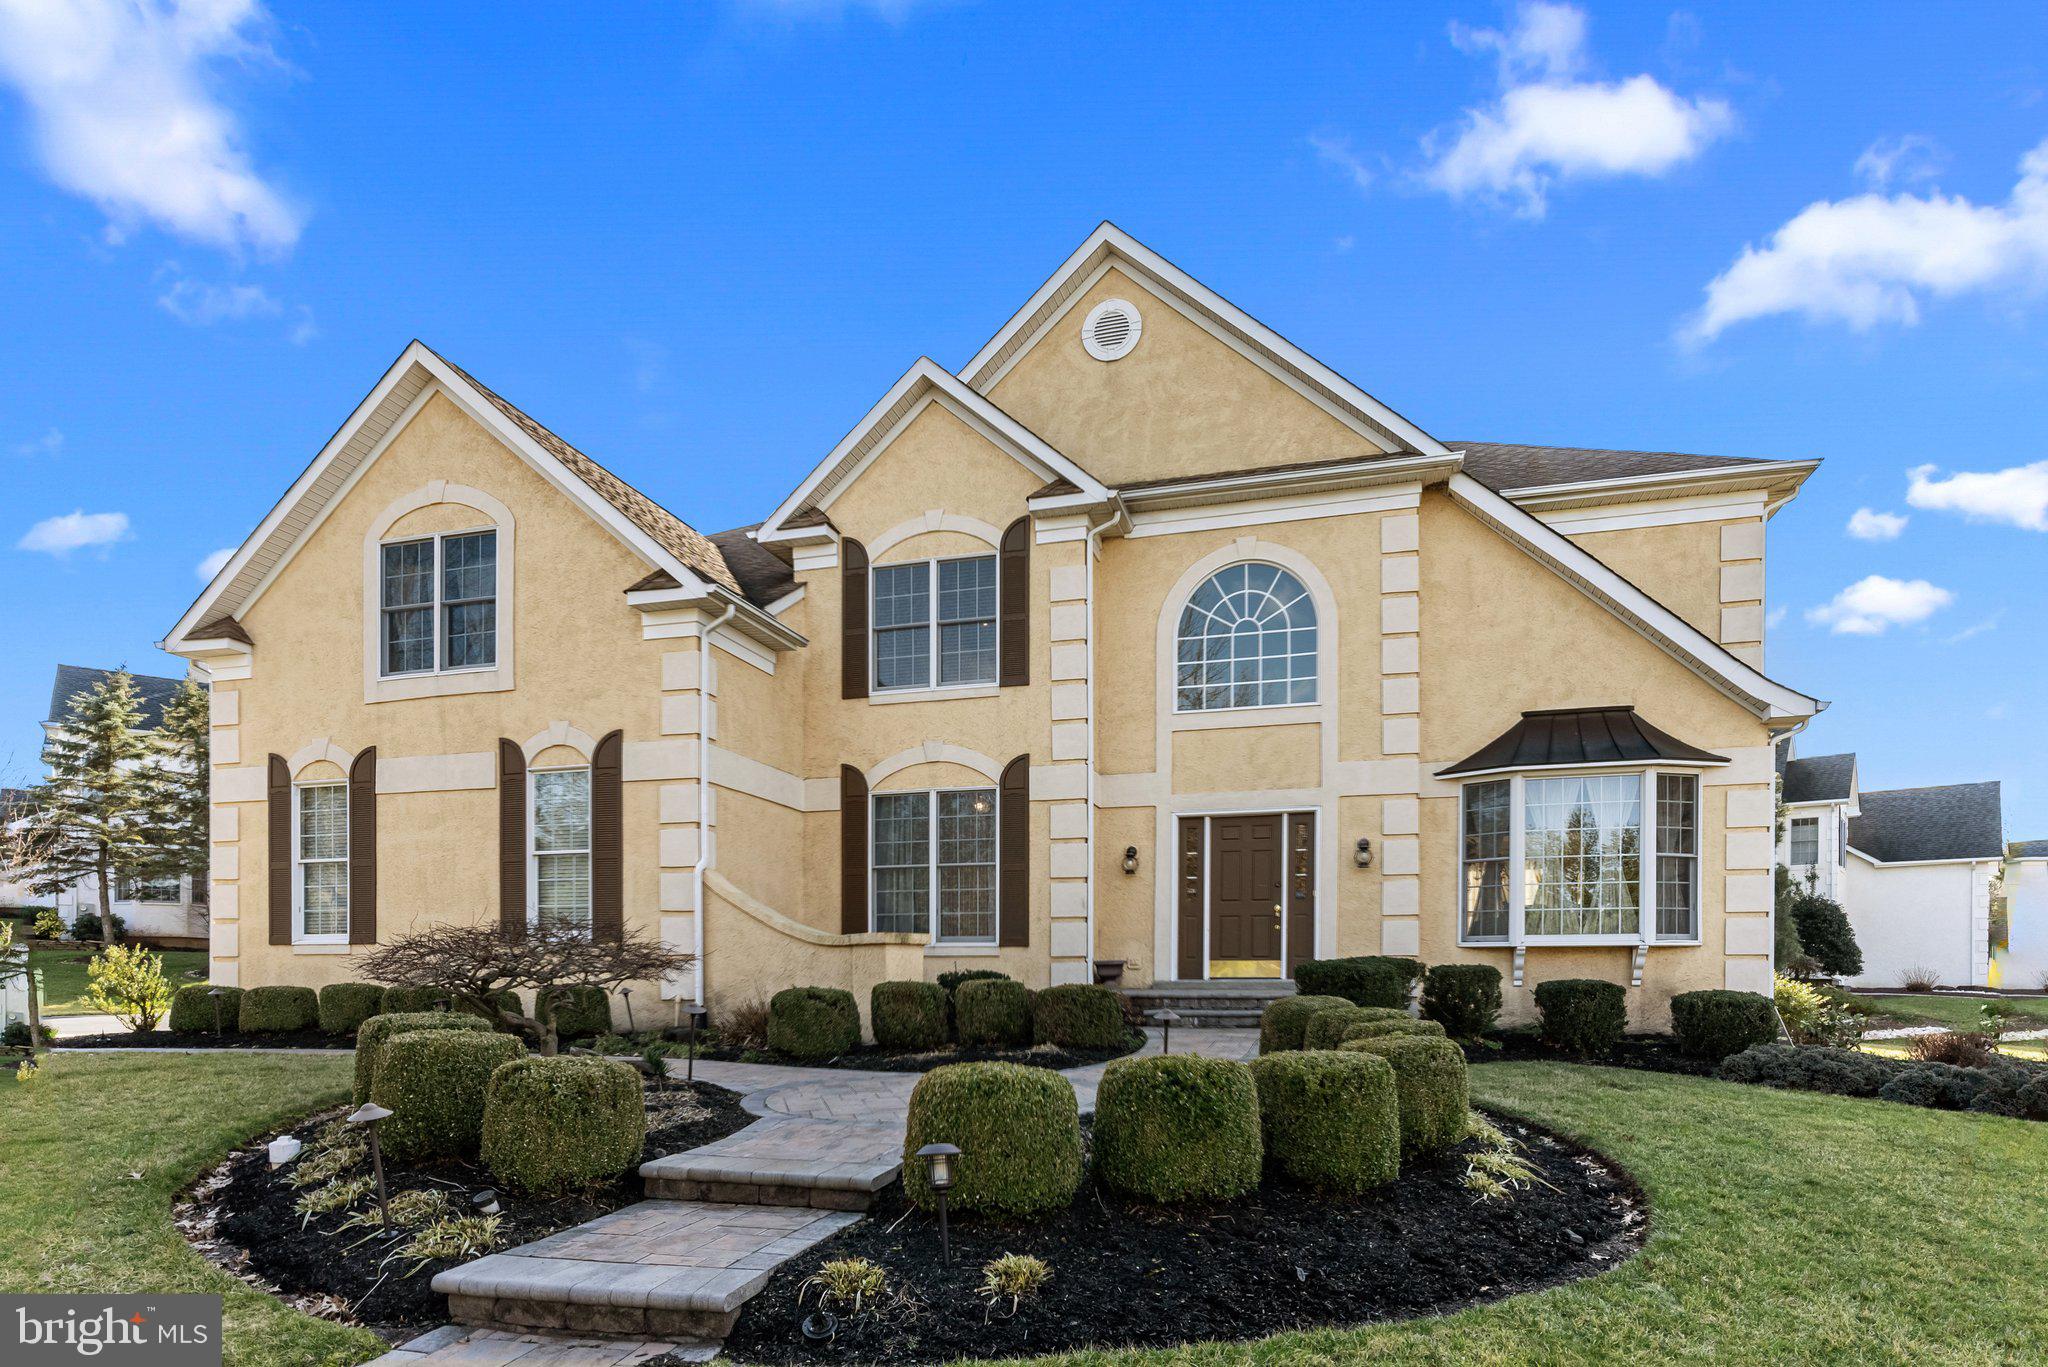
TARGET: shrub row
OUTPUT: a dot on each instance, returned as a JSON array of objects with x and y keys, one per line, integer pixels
[
  {"x": 2008, "y": 1089},
  {"x": 981, "y": 1009},
  {"x": 192, "y": 1009},
  {"x": 1367, "y": 980}
]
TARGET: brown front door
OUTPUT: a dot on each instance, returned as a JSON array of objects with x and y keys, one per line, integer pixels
[{"x": 1245, "y": 869}]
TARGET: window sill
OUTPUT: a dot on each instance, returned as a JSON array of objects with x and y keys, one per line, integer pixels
[
  {"x": 1579, "y": 942},
  {"x": 941, "y": 694},
  {"x": 1275, "y": 714},
  {"x": 445, "y": 684},
  {"x": 320, "y": 946},
  {"x": 944, "y": 951}
]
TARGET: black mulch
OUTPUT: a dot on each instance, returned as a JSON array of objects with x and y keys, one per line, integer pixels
[
  {"x": 241, "y": 1217},
  {"x": 229, "y": 1039},
  {"x": 873, "y": 1058},
  {"x": 1649, "y": 1053},
  {"x": 1129, "y": 1275}
]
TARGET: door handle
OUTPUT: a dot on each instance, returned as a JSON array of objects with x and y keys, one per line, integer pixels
[{"x": 1276, "y": 910}]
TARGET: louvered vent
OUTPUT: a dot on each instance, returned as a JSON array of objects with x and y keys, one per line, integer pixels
[{"x": 1112, "y": 329}]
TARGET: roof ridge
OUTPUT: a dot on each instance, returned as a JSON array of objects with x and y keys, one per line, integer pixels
[{"x": 1934, "y": 787}]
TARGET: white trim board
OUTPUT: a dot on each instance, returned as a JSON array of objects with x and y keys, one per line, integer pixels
[{"x": 1666, "y": 512}]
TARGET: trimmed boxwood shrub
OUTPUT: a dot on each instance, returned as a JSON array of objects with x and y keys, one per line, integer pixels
[
  {"x": 1178, "y": 1128},
  {"x": 993, "y": 1014},
  {"x": 1810, "y": 1068},
  {"x": 1331, "y": 1120},
  {"x": 1384, "y": 1029},
  {"x": 433, "y": 1083},
  {"x": 950, "y": 981},
  {"x": 813, "y": 1022},
  {"x": 1463, "y": 998},
  {"x": 1079, "y": 1016},
  {"x": 1715, "y": 1023},
  {"x": 410, "y": 1001},
  {"x": 1328, "y": 1029},
  {"x": 1582, "y": 1016},
  {"x": 279, "y": 1010},
  {"x": 1429, "y": 1080},
  {"x": 554, "y": 1124},
  {"x": 908, "y": 1015},
  {"x": 581, "y": 1012},
  {"x": 1283, "y": 1022},
  {"x": 192, "y": 1009},
  {"x": 1018, "y": 1130},
  {"x": 375, "y": 1032},
  {"x": 1367, "y": 980},
  {"x": 344, "y": 1006}
]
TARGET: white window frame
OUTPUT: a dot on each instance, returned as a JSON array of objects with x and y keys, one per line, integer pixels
[
  {"x": 931, "y": 626},
  {"x": 534, "y": 854},
  {"x": 436, "y": 604},
  {"x": 299, "y": 862},
  {"x": 1792, "y": 842},
  {"x": 931, "y": 862},
  {"x": 1646, "y": 861},
  {"x": 126, "y": 885},
  {"x": 1174, "y": 686}
]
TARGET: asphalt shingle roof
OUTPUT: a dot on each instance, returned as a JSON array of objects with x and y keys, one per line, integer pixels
[
  {"x": 1902, "y": 825},
  {"x": 762, "y": 575},
  {"x": 73, "y": 680},
  {"x": 2029, "y": 849},
  {"x": 1511, "y": 465},
  {"x": 1824, "y": 778}
]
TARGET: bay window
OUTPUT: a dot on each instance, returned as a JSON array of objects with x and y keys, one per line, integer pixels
[{"x": 934, "y": 859}]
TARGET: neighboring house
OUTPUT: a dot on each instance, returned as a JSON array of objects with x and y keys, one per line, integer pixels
[
  {"x": 1144, "y": 646},
  {"x": 14, "y": 888},
  {"x": 2023, "y": 964},
  {"x": 172, "y": 907},
  {"x": 1922, "y": 862},
  {"x": 1819, "y": 795}
]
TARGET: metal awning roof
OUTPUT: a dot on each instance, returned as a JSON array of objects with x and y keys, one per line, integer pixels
[{"x": 1577, "y": 738}]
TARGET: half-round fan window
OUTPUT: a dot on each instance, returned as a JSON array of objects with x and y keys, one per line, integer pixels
[{"x": 1247, "y": 639}]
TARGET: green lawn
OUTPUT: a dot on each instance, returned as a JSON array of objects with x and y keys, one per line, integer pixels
[
  {"x": 1957, "y": 1013},
  {"x": 64, "y": 980},
  {"x": 1785, "y": 1227}
]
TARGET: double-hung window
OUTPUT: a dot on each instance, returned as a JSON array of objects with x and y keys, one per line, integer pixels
[
  {"x": 320, "y": 862},
  {"x": 1805, "y": 840},
  {"x": 438, "y": 598},
  {"x": 1557, "y": 859},
  {"x": 934, "y": 623},
  {"x": 559, "y": 867},
  {"x": 936, "y": 851},
  {"x": 154, "y": 889}
]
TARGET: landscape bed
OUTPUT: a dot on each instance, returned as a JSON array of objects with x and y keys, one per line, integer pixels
[
  {"x": 1127, "y": 1274},
  {"x": 228, "y": 1039},
  {"x": 241, "y": 1216}
]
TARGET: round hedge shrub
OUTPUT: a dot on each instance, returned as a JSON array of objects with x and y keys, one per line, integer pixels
[
  {"x": 375, "y": 1032},
  {"x": 433, "y": 1083},
  {"x": 555, "y": 1124},
  {"x": 1079, "y": 1016},
  {"x": 1463, "y": 998},
  {"x": 581, "y": 1012},
  {"x": 1018, "y": 1130},
  {"x": 1367, "y": 980},
  {"x": 1582, "y": 1016},
  {"x": 1331, "y": 1120},
  {"x": 1328, "y": 1029},
  {"x": 813, "y": 1022},
  {"x": 1178, "y": 1128},
  {"x": 410, "y": 1001},
  {"x": 908, "y": 1015},
  {"x": 1387, "y": 1029},
  {"x": 1430, "y": 1083},
  {"x": 949, "y": 981},
  {"x": 992, "y": 1013},
  {"x": 345, "y": 1006},
  {"x": 1716, "y": 1023},
  {"x": 279, "y": 1010},
  {"x": 1284, "y": 1022},
  {"x": 192, "y": 1009}
]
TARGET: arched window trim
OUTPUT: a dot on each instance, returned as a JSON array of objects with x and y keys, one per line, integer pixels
[{"x": 1303, "y": 601}]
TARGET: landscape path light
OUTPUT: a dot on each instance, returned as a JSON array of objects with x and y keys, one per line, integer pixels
[
  {"x": 938, "y": 1159},
  {"x": 1166, "y": 1018},
  {"x": 626, "y": 996},
  {"x": 368, "y": 1114},
  {"x": 696, "y": 1013},
  {"x": 215, "y": 993},
  {"x": 484, "y": 1202}
]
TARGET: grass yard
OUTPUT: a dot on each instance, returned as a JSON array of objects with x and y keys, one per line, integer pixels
[
  {"x": 1784, "y": 1226},
  {"x": 64, "y": 980},
  {"x": 1958, "y": 1013}
]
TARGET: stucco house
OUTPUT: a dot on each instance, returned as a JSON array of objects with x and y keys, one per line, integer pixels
[{"x": 1143, "y": 646}]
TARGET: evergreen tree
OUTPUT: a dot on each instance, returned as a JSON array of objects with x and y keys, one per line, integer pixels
[
  {"x": 184, "y": 754},
  {"x": 99, "y": 815}
]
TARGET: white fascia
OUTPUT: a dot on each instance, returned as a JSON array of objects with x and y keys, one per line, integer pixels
[
  {"x": 1360, "y": 473},
  {"x": 1782, "y": 477}
]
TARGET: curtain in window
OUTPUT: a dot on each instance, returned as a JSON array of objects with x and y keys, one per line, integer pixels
[{"x": 323, "y": 859}]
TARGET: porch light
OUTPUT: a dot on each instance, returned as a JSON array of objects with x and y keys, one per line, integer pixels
[
  {"x": 695, "y": 1012},
  {"x": 1364, "y": 854},
  {"x": 938, "y": 1160},
  {"x": 484, "y": 1202},
  {"x": 1166, "y": 1017},
  {"x": 367, "y": 1115},
  {"x": 1130, "y": 859}
]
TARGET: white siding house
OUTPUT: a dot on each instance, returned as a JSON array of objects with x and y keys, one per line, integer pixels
[{"x": 2023, "y": 964}]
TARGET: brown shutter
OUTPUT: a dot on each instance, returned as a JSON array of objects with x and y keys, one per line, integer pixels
[
  {"x": 608, "y": 841},
  {"x": 1188, "y": 885},
  {"x": 511, "y": 839},
  {"x": 1013, "y": 853},
  {"x": 853, "y": 850},
  {"x": 853, "y": 619},
  {"x": 362, "y": 849},
  {"x": 1014, "y": 632},
  {"x": 280, "y": 834}
]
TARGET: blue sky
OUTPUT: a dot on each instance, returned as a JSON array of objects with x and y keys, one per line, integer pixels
[{"x": 699, "y": 239}]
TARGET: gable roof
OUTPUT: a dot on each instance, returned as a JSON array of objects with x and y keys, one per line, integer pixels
[
  {"x": 155, "y": 691},
  {"x": 1916, "y": 825},
  {"x": 1578, "y": 738},
  {"x": 761, "y": 573},
  {"x": 2027, "y": 849},
  {"x": 1109, "y": 244},
  {"x": 1824, "y": 778}
]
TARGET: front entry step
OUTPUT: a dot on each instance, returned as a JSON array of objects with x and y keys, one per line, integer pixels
[
  {"x": 1214, "y": 1004},
  {"x": 785, "y": 1161}
]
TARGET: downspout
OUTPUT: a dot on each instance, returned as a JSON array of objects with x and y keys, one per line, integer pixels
[
  {"x": 1088, "y": 549},
  {"x": 704, "y": 788}
]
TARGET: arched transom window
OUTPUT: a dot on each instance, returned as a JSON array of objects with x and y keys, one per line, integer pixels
[{"x": 1247, "y": 639}]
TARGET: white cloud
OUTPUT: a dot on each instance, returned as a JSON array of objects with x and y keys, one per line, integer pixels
[
  {"x": 1875, "y": 258},
  {"x": 202, "y": 304},
  {"x": 1775, "y": 618},
  {"x": 1874, "y": 604},
  {"x": 1907, "y": 160},
  {"x": 1977, "y": 629},
  {"x": 59, "y": 536},
  {"x": 1866, "y": 524},
  {"x": 1335, "y": 150},
  {"x": 125, "y": 112},
  {"x": 1549, "y": 126},
  {"x": 48, "y": 444},
  {"x": 2016, "y": 496},
  {"x": 210, "y": 566}
]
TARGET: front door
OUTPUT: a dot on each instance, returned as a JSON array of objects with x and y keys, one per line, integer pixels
[{"x": 1245, "y": 911}]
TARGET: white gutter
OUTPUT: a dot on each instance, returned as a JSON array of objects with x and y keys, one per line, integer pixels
[
  {"x": 704, "y": 786},
  {"x": 1088, "y": 548}
]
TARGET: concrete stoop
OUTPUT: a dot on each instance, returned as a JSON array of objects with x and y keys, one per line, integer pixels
[{"x": 1216, "y": 1004}]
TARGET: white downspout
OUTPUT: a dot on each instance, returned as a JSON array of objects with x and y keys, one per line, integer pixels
[
  {"x": 704, "y": 789},
  {"x": 1088, "y": 549}
]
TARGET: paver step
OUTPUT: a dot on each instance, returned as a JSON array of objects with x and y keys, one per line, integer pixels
[
  {"x": 785, "y": 1161},
  {"x": 458, "y": 1345},
  {"x": 1226, "y": 1004}
]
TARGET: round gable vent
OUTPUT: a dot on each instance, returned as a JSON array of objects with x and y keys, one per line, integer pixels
[{"x": 1112, "y": 329}]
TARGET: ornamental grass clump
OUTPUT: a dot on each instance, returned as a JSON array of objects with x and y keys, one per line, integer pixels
[
  {"x": 1495, "y": 1170},
  {"x": 1331, "y": 1120},
  {"x": 1582, "y": 1016},
  {"x": 992, "y": 1013},
  {"x": 1715, "y": 1023},
  {"x": 1079, "y": 1016},
  {"x": 552, "y": 1125},
  {"x": 343, "y": 1007},
  {"x": 192, "y": 1009},
  {"x": 1430, "y": 1085},
  {"x": 1284, "y": 1022},
  {"x": 1018, "y": 1130},
  {"x": 813, "y": 1022},
  {"x": 128, "y": 981},
  {"x": 455, "y": 1237},
  {"x": 908, "y": 1015},
  {"x": 374, "y": 1033},
  {"x": 279, "y": 1010},
  {"x": 433, "y": 1082},
  {"x": 1013, "y": 1277},
  {"x": 1328, "y": 1029},
  {"x": 1463, "y": 998},
  {"x": 1178, "y": 1128},
  {"x": 849, "y": 1283},
  {"x": 339, "y": 1194}
]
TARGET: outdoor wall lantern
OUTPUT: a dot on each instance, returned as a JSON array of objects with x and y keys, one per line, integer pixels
[
  {"x": 368, "y": 1114},
  {"x": 1130, "y": 859},
  {"x": 939, "y": 1160},
  {"x": 1364, "y": 855},
  {"x": 1166, "y": 1018}
]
